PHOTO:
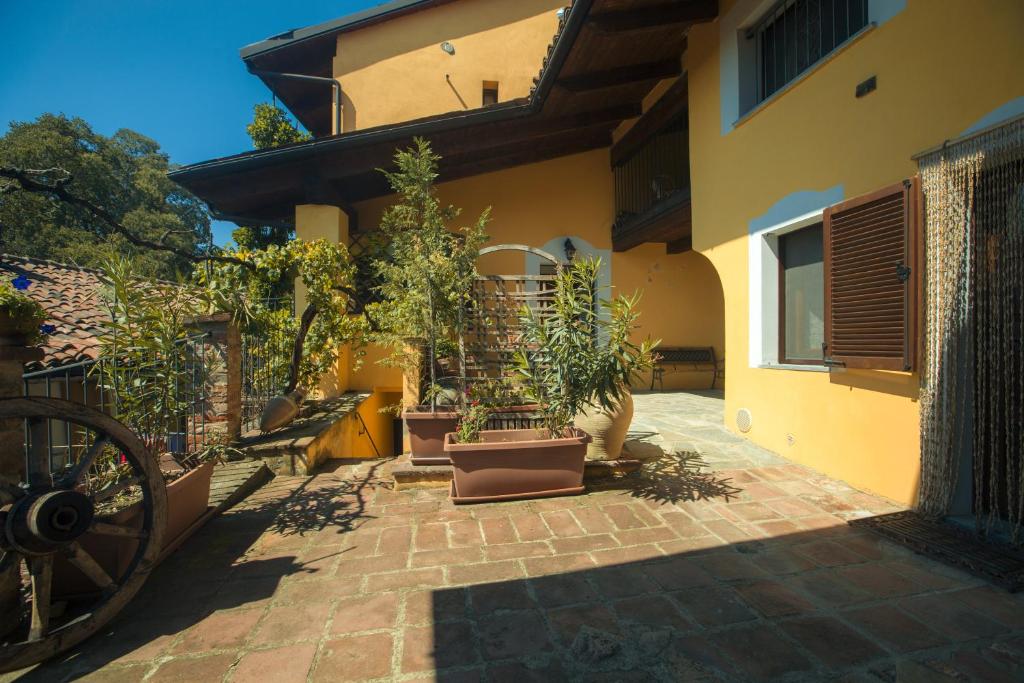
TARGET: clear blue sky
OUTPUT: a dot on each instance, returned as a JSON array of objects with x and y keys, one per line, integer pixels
[{"x": 166, "y": 68}]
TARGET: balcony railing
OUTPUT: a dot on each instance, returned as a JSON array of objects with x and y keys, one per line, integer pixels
[{"x": 653, "y": 181}]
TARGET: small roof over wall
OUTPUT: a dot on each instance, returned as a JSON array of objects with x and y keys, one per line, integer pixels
[
  {"x": 606, "y": 56},
  {"x": 310, "y": 51},
  {"x": 71, "y": 296}
]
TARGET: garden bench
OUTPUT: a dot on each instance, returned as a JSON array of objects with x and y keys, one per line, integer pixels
[{"x": 695, "y": 357}]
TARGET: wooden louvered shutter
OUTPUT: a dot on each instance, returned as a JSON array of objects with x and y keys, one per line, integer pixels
[{"x": 871, "y": 279}]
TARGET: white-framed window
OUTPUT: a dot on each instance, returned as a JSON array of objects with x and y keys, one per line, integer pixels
[
  {"x": 791, "y": 37},
  {"x": 766, "y": 45},
  {"x": 787, "y": 323}
]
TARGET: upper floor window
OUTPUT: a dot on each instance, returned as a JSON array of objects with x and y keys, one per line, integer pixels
[
  {"x": 794, "y": 35},
  {"x": 490, "y": 93}
]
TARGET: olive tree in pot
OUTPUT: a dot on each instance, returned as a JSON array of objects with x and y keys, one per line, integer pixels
[
  {"x": 571, "y": 357},
  {"x": 426, "y": 272}
]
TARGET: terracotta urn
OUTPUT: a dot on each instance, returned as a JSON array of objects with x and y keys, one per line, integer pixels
[{"x": 607, "y": 428}]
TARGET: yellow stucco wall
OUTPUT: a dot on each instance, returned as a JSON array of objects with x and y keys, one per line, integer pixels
[
  {"x": 351, "y": 438},
  {"x": 571, "y": 196},
  {"x": 396, "y": 71},
  {"x": 941, "y": 65}
]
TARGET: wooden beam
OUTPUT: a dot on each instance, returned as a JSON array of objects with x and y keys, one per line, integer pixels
[
  {"x": 623, "y": 75},
  {"x": 656, "y": 16},
  {"x": 668, "y": 221},
  {"x": 671, "y": 104},
  {"x": 680, "y": 245}
]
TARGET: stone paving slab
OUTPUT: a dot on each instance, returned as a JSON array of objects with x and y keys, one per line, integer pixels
[{"x": 731, "y": 564}]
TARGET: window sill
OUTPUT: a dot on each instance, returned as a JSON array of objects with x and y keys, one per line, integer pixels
[
  {"x": 764, "y": 104},
  {"x": 793, "y": 366}
]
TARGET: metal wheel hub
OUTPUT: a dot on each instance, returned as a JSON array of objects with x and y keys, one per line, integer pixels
[{"x": 45, "y": 522}]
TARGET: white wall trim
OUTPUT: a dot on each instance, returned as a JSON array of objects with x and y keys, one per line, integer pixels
[{"x": 792, "y": 212}]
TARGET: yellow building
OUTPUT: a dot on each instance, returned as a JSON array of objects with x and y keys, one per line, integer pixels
[{"x": 714, "y": 154}]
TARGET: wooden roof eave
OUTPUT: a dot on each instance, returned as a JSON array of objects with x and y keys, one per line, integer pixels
[{"x": 569, "y": 110}]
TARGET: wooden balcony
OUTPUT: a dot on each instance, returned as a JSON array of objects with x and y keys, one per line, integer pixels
[{"x": 666, "y": 220}]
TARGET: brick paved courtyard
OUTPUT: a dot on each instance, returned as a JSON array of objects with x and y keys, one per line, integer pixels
[{"x": 728, "y": 565}]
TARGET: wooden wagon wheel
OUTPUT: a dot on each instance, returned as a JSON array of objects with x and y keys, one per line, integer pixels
[{"x": 50, "y": 518}]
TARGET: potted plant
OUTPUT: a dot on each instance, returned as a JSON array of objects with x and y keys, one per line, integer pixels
[
  {"x": 576, "y": 354},
  {"x": 425, "y": 272},
  {"x": 21, "y": 317},
  {"x": 152, "y": 376},
  {"x": 188, "y": 493}
]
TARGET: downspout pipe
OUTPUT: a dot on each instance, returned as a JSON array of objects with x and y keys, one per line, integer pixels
[{"x": 335, "y": 88}]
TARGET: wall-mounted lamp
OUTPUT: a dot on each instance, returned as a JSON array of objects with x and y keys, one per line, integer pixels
[
  {"x": 448, "y": 47},
  {"x": 570, "y": 249}
]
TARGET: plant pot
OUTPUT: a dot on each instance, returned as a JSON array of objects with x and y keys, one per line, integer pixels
[
  {"x": 16, "y": 331},
  {"x": 426, "y": 434},
  {"x": 188, "y": 499},
  {"x": 607, "y": 428},
  {"x": 514, "y": 464}
]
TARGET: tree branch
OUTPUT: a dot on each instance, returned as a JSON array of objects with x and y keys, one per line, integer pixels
[
  {"x": 56, "y": 188},
  {"x": 300, "y": 342}
]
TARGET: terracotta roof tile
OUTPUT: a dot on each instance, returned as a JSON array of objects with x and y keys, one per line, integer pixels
[{"x": 71, "y": 295}]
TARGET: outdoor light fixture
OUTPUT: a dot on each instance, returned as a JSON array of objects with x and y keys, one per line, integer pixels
[
  {"x": 448, "y": 47},
  {"x": 570, "y": 249}
]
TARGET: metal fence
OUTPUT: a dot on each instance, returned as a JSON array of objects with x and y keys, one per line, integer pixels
[
  {"x": 266, "y": 360},
  {"x": 795, "y": 34},
  {"x": 176, "y": 423}
]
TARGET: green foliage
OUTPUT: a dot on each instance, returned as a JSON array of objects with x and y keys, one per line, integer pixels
[
  {"x": 426, "y": 274},
  {"x": 252, "y": 237},
  {"x": 24, "y": 313},
  {"x": 125, "y": 173},
  {"x": 325, "y": 271},
  {"x": 271, "y": 127},
  {"x": 147, "y": 367},
  {"x": 573, "y": 357},
  {"x": 472, "y": 421}
]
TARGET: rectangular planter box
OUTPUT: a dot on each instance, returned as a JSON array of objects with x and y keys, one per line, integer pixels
[
  {"x": 188, "y": 499},
  {"x": 426, "y": 435},
  {"x": 515, "y": 464}
]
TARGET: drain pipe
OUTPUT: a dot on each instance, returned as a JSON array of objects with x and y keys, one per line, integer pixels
[{"x": 335, "y": 87}]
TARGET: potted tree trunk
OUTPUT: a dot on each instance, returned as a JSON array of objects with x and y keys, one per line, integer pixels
[
  {"x": 425, "y": 271},
  {"x": 571, "y": 357}
]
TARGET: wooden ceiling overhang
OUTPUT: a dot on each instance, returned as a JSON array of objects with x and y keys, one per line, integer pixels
[{"x": 606, "y": 57}]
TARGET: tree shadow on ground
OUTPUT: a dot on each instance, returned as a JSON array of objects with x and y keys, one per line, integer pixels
[
  {"x": 222, "y": 567},
  {"x": 327, "y": 501},
  {"x": 674, "y": 478}
]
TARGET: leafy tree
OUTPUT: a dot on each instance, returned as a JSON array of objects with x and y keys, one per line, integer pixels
[
  {"x": 255, "y": 238},
  {"x": 571, "y": 356},
  {"x": 271, "y": 127},
  {"x": 426, "y": 273},
  {"x": 261, "y": 236},
  {"x": 124, "y": 174}
]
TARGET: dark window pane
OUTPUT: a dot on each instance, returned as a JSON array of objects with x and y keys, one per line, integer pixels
[
  {"x": 795, "y": 34},
  {"x": 803, "y": 287}
]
